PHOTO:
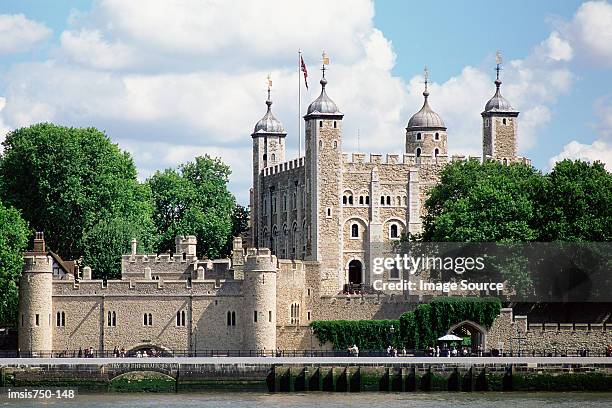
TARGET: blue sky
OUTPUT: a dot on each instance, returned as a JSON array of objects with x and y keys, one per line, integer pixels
[{"x": 172, "y": 80}]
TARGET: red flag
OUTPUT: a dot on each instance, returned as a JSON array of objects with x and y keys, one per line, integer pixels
[{"x": 304, "y": 70}]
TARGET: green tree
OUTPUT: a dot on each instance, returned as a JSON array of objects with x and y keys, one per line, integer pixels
[
  {"x": 194, "y": 200},
  {"x": 575, "y": 203},
  {"x": 240, "y": 224},
  {"x": 66, "y": 181},
  {"x": 13, "y": 240},
  {"x": 487, "y": 202}
]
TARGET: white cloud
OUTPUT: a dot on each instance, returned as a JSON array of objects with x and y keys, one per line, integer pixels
[
  {"x": 598, "y": 150},
  {"x": 89, "y": 48},
  {"x": 19, "y": 34},
  {"x": 589, "y": 33},
  {"x": 556, "y": 48}
]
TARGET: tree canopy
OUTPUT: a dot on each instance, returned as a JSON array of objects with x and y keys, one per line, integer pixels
[
  {"x": 194, "y": 199},
  {"x": 13, "y": 241},
  {"x": 71, "y": 183}
]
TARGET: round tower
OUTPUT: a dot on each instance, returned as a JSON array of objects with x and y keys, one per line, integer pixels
[
  {"x": 35, "y": 300},
  {"x": 426, "y": 132},
  {"x": 259, "y": 292}
]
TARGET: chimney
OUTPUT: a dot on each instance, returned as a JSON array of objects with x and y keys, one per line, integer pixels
[
  {"x": 87, "y": 273},
  {"x": 39, "y": 242}
]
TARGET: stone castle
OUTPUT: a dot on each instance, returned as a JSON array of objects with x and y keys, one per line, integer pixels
[{"x": 321, "y": 216}]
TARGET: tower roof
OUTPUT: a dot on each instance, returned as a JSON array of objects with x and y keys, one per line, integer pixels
[
  {"x": 498, "y": 103},
  {"x": 269, "y": 123},
  {"x": 323, "y": 105},
  {"x": 425, "y": 118}
]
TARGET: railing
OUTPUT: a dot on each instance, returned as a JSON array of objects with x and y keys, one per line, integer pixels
[{"x": 153, "y": 353}]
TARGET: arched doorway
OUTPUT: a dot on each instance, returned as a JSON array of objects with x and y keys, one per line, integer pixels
[
  {"x": 355, "y": 269},
  {"x": 151, "y": 350},
  {"x": 474, "y": 335}
]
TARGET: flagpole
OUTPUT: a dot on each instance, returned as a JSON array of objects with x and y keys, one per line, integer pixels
[{"x": 299, "y": 104}]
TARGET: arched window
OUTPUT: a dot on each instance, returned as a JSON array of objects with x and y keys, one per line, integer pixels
[
  {"x": 350, "y": 200},
  {"x": 144, "y": 319},
  {"x": 150, "y": 319},
  {"x": 504, "y": 121},
  {"x": 178, "y": 318},
  {"x": 273, "y": 157},
  {"x": 418, "y": 152},
  {"x": 388, "y": 200},
  {"x": 321, "y": 123},
  {"x": 393, "y": 231},
  {"x": 58, "y": 320},
  {"x": 233, "y": 318},
  {"x": 437, "y": 136},
  {"x": 360, "y": 200},
  {"x": 109, "y": 320},
  {"x": 418, "y": 136},
  {"x": 229, "y": 318},
  {"x": 382, "y": 200},
  {"x": 294, "y": 317},
  {"x": 344, "y": 200},
  {"x": 394, "y": 273},
  {"x": 114, "y": 319},
  {"x": 367, "y": 200},
  {"x": 354, "y": 231},
  {"x": 335, "y": 124},
  {"x": 436, "y": 152}
]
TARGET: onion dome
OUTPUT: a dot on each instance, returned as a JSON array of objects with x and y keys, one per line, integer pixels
[
  {"x": 269, "y": 123},
  {"x": 498, "y": 103},
  {"x": 426, "y": 118},
  {"x": 323, "y": 105}
]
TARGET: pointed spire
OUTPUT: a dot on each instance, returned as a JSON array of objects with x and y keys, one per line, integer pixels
[
  {"x": 426, "y": 117},
  {"x": 498, "y": 103}
]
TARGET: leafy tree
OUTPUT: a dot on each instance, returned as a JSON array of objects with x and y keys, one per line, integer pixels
[
  {"x": 193, "y": 200},
  {"x": 240, "y": 224},
  {"x": 13, "y": 240},
  {"x": 574, "y": 203},
  {"x": 487, "y": 202},
  {"x": 66, "y": 181}
]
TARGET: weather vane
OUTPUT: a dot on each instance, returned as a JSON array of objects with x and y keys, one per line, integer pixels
[
  {"x": 325, "y": 61},
  {"x": 498, "y": 62},
  {"x": 426, "y": 75}
]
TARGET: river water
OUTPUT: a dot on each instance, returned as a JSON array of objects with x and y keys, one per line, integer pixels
[{"x": 328, "y": 400}]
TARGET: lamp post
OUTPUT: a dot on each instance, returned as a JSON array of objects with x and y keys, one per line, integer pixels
[{"x": 391, "y": 333}]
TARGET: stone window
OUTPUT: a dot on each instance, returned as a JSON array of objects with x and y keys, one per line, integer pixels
[
  {"x": 320, "y": 144},
  {"x": 233, "y": 318},
  {"x": 355, "y": 231},
  {"x": 388, "y": 200},
  {"x": 320, "y": 123},
  {"x": 418, "y": 152},
  {"x": 265, "y": 156},
  {"x": 180, "y": 318},
  {"x": 273, "y": 157},
  {"x": 335, "y": 124},
  {"x": 486, "y": 122},
  {"x": 344, "y": 200},
  {"x": 504, "y": 121},
  {"x": 437, "y": 136},
  {"x": 308, "y": 315},
  {"x": 254, "y": 316},
  {"x": 367, "y": 200},
  {"x": 393, "y": 231},
  {"x": 350, "y": 200},
  {"x": 37, "y": 319},
  {"x": 328, "y": 212},
  {"x": 436, "y": 152},
  {"x": 382, "y": 200},
  {"x": 394, "y": 273},
  {"x": 294, "y": 317},
  {"x": 335, "y": 144},
  {"x": 269, "y": 316},
  {"x": 111, "y": 319},
  {"x": 418, "y": 136},
  {"x": 274, "y": 205},
  {"x": 60, "y": 319},
  {"x": 147, "y": 319},
  {"x": 360, "y": 200}
]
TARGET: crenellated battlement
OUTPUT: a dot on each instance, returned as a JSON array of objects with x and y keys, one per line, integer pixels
[
  {"x": 260, "y": 260},
  {"x": 37, "y": 262},
  {"x": 282, "y": 167},
  {"x": 407, "y": 159},
  {"x": 460, "y": 157}
]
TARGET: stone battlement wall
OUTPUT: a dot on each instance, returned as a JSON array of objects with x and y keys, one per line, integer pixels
[
  {"x": 408, "y": 159},
  {"x": 283, "y": 167},
  {"x": 148, "y": 288}
]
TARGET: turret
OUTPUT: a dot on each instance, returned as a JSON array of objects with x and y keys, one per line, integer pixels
[
  {"x": 268, "y": 150},
  {"x": 324, "y": 179},
  {"x": 426, "y": 132},
  {"x": 35, "y": 300},
  {"x": 259, "y": 292},
  {"x": 499, "y": 126}
]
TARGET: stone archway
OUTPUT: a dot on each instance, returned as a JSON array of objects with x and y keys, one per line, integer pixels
[
  {"x": 476, "y": 333},
  {"x": 151, "y": 350},
  {"x": 355, "y": 272}
]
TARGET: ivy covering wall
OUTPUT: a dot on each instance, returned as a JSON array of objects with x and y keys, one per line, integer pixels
[
  {"x": 415, "y": 329},
  {"x": 423, "y": 326},
  {"x": 366, "y": 334}
]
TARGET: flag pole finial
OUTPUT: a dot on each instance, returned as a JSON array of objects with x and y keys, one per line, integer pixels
[
  {"x": 269, "y": 101},
  {"x": 498, "y": 63},
  {"x": 426, "y": 76}
]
